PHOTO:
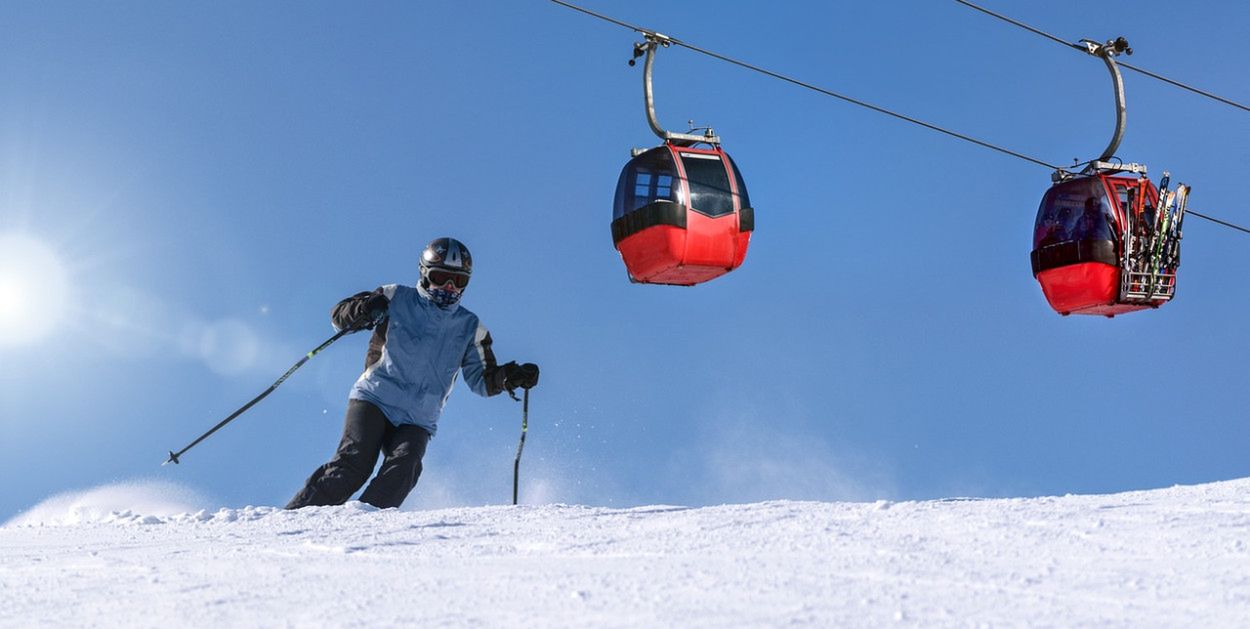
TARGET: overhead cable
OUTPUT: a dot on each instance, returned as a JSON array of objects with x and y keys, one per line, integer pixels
[
  {"x": 1216, "y": 220},
  {"x": 1122, "y": 64},
  {"x": 677, "y": 42},
  {"x": 855, "y": 101}
]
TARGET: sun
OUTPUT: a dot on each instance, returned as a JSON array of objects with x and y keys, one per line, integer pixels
[{"x": 34, "y": 289}]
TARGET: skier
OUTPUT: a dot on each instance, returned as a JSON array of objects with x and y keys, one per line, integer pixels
[{"x": 421, "y": 337}]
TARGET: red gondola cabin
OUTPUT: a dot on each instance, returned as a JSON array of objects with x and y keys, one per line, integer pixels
[
  {"x": 1097, "y": 247},
  {"x": 682, "y": 215}
]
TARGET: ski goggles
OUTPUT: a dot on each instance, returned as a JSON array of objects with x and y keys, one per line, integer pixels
[{"x": 439, "y": 277}]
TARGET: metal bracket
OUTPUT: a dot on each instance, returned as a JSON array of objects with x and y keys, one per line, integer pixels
[
  {"x": 1112, "y": 47},
  {"x": 1098, "y": 167}
]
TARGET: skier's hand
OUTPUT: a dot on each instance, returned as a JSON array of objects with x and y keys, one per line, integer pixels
[
  {"x": 524, "y": 376},
  {"x": 371, "y": 311}
]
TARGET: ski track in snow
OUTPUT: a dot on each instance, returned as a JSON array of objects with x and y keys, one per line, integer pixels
[{"x": 1161, "y": 558}]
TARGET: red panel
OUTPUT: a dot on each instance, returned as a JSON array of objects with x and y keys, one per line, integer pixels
[
  {"x": 705, "y": 250},
  {"x": 1089, "y": 288},
  {"x": 744, "y": 241},
  {"x": 711, "y": 241},
  {"x": 1079, "y": 287},
  {"x": 652, "y": 251}
]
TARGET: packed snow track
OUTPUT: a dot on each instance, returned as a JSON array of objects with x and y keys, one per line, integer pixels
[{"x": 1170, "y": 557}]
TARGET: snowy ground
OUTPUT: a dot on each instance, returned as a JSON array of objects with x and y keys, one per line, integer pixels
[{"x": 1163, "y": 558}]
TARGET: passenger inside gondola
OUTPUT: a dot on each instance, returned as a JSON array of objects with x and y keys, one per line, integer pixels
[
  {"x": 1054, "y": 228},
  {"x": 1093, "y": 224},
  {"x": 1077, "y": 210}
]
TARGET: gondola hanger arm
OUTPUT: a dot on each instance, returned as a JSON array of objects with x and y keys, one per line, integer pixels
[
  {"x": 1108, "y": 52},
  {"x": 648, "y": 47}
]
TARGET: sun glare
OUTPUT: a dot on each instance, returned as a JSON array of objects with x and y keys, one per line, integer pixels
[{"x": 33, "y": 290}]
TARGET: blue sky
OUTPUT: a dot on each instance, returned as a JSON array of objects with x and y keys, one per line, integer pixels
[{"x": 213, "y": 178}]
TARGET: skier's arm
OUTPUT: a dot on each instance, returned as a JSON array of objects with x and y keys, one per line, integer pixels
[
  {"x": 481, "y": 371},
  {"x": 356, "y": 311}
]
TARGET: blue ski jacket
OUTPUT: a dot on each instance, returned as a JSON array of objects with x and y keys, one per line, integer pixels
[{"x": 416, "y": 353}]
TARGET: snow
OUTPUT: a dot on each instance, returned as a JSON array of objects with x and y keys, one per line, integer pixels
[{"x": 1161, "y": 558}]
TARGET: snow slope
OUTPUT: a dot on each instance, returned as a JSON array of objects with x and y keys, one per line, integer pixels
[{"x": 1163, "y": 558}]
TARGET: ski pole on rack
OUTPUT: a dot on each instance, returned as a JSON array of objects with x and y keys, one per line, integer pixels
[
  {"x": 173, "y": 456},
  {"x": 516, "y": 465}
]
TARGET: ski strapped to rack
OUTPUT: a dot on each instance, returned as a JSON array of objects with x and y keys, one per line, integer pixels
[{"x": 1151, "y": 252}]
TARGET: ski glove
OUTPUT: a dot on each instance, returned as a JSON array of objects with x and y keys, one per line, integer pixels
[
  {"x": 371, "y": 311},
  {"x": 524, "y": 376}
]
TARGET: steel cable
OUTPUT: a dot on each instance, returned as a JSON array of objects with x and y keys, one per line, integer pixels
[
  {"x": 677, "y": 42},
  {"x": 776, "y": 75},
  {"x": 1122, "y": 64}
]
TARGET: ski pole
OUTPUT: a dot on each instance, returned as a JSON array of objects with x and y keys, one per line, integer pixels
[
  {"x": 173, "y": 456},
  {"x": 516, "y": 465}
]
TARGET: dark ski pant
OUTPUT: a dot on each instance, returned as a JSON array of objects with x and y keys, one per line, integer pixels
[{"x": 366, "y": 432}]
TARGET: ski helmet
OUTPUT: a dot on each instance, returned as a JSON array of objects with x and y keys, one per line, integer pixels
[{"x": 445, "y": 270}]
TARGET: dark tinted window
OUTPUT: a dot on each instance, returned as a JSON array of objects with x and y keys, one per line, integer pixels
[
  {"x": 1074, "y": 210},
  {"x": 742, "y": 185},
  {"x": 645, "y": 179},
  {"x": 709, "y": 184}
]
